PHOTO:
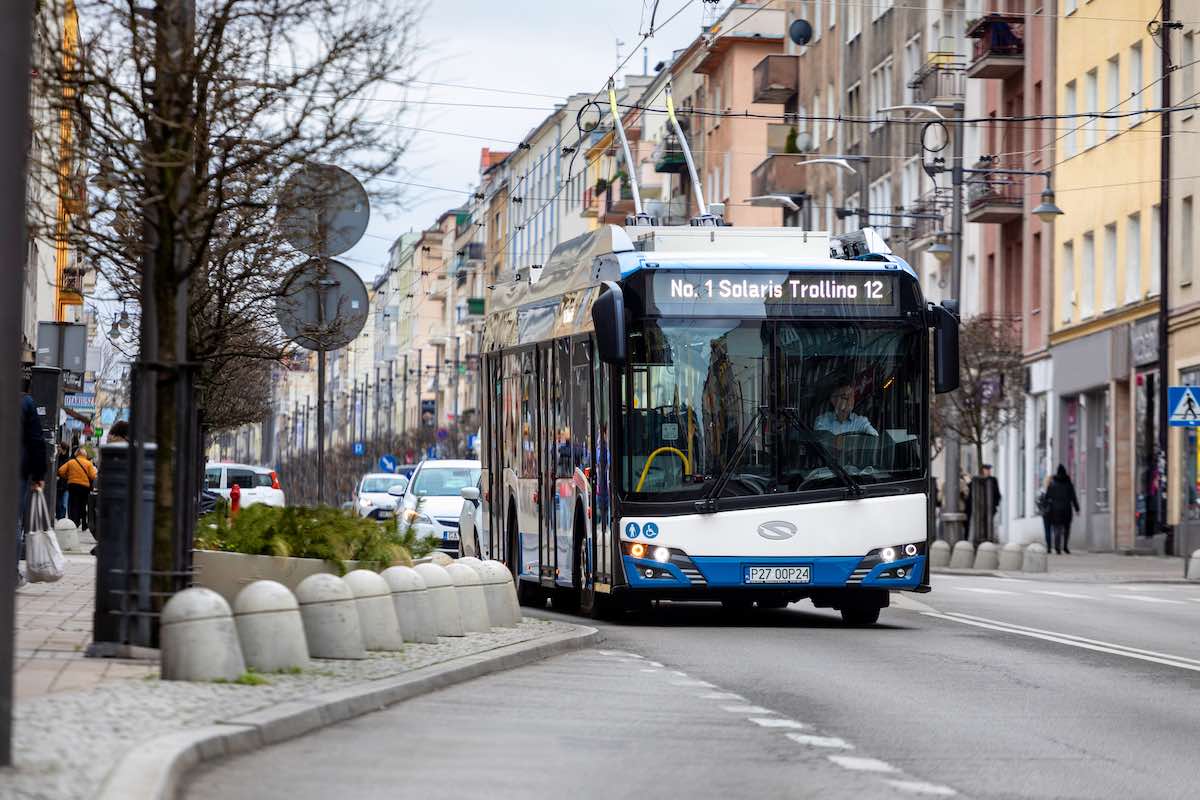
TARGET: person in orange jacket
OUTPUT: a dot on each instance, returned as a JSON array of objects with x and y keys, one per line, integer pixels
[{"x": 79, "y": 473}]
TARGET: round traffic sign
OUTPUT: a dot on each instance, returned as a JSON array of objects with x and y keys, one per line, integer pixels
[
  {"x": 322, "y": 210},
  {"x": 323, "y": 305}
]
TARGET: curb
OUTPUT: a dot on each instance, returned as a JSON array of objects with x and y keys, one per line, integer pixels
[
  {"x": 154, "y": 770},
  {"x": 1057, "y": 576}
]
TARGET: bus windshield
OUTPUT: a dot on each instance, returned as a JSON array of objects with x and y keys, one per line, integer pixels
[{"x": 781, "y": 406}]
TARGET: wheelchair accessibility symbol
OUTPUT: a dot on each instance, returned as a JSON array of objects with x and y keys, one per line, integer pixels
[
  {"x": 632, "y": 530},
  {"x": 651, "y": 530}
]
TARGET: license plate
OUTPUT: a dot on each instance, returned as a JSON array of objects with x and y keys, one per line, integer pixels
[
  {"x": 449, "y": 536},
  {"x": 778, "y": 574}
]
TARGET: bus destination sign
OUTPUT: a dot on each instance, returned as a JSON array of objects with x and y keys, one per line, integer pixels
[{"x": 799, "y": 289}]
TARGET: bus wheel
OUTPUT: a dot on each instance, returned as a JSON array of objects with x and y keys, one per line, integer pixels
[{"x": 860, "y": 615}]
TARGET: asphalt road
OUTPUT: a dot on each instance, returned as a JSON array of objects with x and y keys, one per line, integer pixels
[{"x": 985, "y": 688}]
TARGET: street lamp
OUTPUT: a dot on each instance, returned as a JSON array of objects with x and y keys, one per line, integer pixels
[
  {"x": 940, "y": 249},
  {"x": 843, "y": 163},
  {"x": 1047, "y": 211},
  {"x": 124, "y": 320}
]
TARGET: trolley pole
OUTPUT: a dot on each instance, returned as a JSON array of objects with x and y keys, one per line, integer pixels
[
  {"x": 952, "y": 516},
  {"x": 1164, "y": 285}
]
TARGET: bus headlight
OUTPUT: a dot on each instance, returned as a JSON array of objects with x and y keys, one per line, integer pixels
[
  {"x": 887, "y": 554},
  {"x": 662, "y": 555}
]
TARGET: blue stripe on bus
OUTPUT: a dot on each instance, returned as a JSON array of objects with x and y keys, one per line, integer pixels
[{"x": 729, "y": 571}]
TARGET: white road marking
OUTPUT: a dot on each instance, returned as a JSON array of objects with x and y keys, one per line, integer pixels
[
  {"x": 694, "y": 684},
  {"x": 654, "y": 664},
  {"x": 647, "y": 669},
  {"x": 1194, "y": 599},
  {"x": 1075, "y": 641},
  {"x": 1071, "y": 595},
  {"x": 920, "y": 787},
  {"x": 831, "y": 742},
  {"x": 679, "y": 673},
  {"x": 747, "y": 710},
  {"x": 721, "y": 696},
  {"x": 981, "y": 590},
  {"x": 862, "y": 764},
  {"x": 1147, "y": 599},
  {"x": 1013, "y": 580},
  {"x": 777, "y": 722}
]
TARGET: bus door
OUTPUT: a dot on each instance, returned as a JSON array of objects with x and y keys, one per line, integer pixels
[
  {"x": 563, "y": 460},
  {"x": 492, "y": 443},
  {"x": 545, "y": 484}
]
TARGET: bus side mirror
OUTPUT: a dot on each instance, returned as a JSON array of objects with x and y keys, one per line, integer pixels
[
  {"x": 945, "y": 347},
  {"x": 608, "y": 318}
]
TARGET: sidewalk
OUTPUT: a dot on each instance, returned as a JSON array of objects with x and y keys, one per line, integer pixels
[
  {"x": 1095, "y": 568},
  {"x": 54, "y": 628}
]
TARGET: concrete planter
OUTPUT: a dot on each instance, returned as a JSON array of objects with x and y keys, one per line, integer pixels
[{"x": 228, "y": 573}]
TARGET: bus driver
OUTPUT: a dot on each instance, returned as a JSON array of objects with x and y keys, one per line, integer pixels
[{"x": 841, "y": 419}]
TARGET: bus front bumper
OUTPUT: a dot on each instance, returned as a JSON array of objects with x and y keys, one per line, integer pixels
[{"x": 707, "y": 573}]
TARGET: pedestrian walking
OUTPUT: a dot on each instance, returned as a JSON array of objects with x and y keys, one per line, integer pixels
[
  {"x": 988, "y": 489},
  {"x": 1043, "y": 509},
  {"x": 60, "y": 490},
  {"x": 33, "y": 468},
  {"x": 1063, "y": 505},
  {"x": 79, "y": 473}
]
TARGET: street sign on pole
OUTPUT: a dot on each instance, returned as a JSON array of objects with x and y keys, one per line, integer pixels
[
  {"x": 359, "y": 449},
  {"x": 1183, "y": 404},
  {"x": 387, "y": 463}
]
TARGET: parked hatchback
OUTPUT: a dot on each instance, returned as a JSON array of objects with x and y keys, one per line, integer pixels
[
  {"x": 433, "y": 501},
  {"x": 374, "y": 497},
  {"x": 256, "y": 484}
]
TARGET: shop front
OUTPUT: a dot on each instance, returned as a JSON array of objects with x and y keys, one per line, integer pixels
[{"x": 1183, "y": 487}]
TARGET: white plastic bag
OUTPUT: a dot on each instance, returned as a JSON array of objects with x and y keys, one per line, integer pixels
[{"x": 44, "y": 560}]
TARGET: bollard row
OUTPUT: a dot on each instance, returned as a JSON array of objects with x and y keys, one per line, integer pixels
[
  {"x": 1012, "y": 557},
  {"x": 271, "y": 630}
]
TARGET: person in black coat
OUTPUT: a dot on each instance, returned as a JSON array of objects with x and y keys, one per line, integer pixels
[
  {"x": 33, "y": 467},
  {"x": 1063, "y": 504}
]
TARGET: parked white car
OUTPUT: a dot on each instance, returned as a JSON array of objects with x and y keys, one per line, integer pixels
[
  {"x": 373, "y": 497},
  {"x": 257, "y": 484},
  {"x": 433, "y": 502}
]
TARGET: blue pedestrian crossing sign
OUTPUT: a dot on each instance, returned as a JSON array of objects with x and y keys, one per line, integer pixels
[
  {"x": 1184, "y": 405},
  {"x": 387, "y": 463}
]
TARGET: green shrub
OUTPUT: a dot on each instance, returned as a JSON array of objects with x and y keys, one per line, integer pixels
[{"x": 322, "y": 532}]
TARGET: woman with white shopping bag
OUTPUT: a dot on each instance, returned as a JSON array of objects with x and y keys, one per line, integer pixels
[{"x": 44, "y": 560}]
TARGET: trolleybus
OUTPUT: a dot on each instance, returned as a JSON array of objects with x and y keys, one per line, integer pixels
[{"x": 713, "y": 413}]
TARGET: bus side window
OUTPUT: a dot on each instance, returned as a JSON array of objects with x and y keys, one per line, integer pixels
[
  {"x": 581, "y": 406},
  {"x": 564, "y": 435}
]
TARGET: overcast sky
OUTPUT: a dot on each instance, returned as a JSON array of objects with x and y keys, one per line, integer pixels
[{"x": 549, "y": 47}]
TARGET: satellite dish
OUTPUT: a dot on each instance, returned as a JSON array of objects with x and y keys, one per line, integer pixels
[
  {"x": 322, "y": 210},
  {"x": 800, "y": 31},
  {"x": 323, "y": 305}
]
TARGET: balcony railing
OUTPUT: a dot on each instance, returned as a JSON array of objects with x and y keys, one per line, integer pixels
[
  {"x": 786, "y": 137},
  {"x": 668, "y": 156},
  {"x": 617, "y": 203},
  {"x": 778, "y": 174},
  {"x": 923, "y": 228},
  {"x": 999, "y": 50},
  {"x": 995, "y": 198},
  {"x": 776, "y": 78},
  {"x": 942, "y": 79}
]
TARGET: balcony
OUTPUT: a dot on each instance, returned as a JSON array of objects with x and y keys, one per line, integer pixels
[
  {"x": 942, "y": 80},
  {"x": 923, "y": 229},
  {"x": 999, "y": 50},
  {"x": 776, "y": 78},
  {"x": 778, "y": 174},
  {"x": 668, "y": 156},
  {"x": 784, "y": 137},
  {"x": 617, "y": 203},
  {"x": 995, "y": 198}
]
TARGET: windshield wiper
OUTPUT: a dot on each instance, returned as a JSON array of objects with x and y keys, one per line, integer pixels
[
  {"x": 835, "y": 466},
  {"x": 708, "y": 503}
]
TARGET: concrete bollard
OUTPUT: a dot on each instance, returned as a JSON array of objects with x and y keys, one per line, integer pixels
[
  {"x": 1193, "y": 567},
  {"x": 442, "y": 599},
  {"x": 376, "y": 612},
  {"x": 987, "y": 556},
  {"x": 1011, "y": 556},
  {"x": 507, "y": 591},
  {"x": 440, "y": 558},
  {"x": 496, "y": 580},
  {"x": 330, "y": 617},
  {"x": 1035, "y": 558},
  {"x": 963, "y": 555},
  {"x": 67, "y": 535},
  {"x": 939, "y": 554},
  {"x": 269, "y": 627},
  {"x": 472, "y": 604},
  {"x": 199, "y": 639},
  {"x": 410, "y": 598},
  {"x": 470, "y": 561}
]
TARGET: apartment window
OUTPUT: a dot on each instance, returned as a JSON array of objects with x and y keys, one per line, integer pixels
[
  {"x": 1155, "y": 247},
  {"x": 851, "y": 204},
  {"x": 1112, "y": 88},
  {"x": 726, "y": 172},
  {"x": 1069, "y": 6},
  {"x": 1066, "y": 298},
  {"x": 1091, "y": 102},
  {"x": 854, "y": 18},
  {"x": 829, "y": 212},
  {"x": 880, "y": 7},
  {"x": 912, "y": 63},
  {"x": 1087, "y": 276},
  {"x": 853, "y": 109},
  {"x": 1069, "y": 103},
  {"x": 816, "y": 20},
  {"x": 1137, "y": 101},
  {"x": 1133, "y": 258},
  {"x": 830, "y": 99},
  {"x": 1035, "y": 275},
  {"x": 1037, "y": 127},
  {"x": 880, "y": 202},
  {"x": 1186, "y": 242},
  {"x": 816, "y": 123},
  {"x": 910, "y": 184},
  {"x": 881, "y": 90},
  {"x": 832, "y": 13},
  {"x": 1189, "y": 71},
  {"x": 1109, "y": 290}
]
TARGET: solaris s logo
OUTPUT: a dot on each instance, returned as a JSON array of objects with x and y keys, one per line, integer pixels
[{"x": 777, "y": 530}]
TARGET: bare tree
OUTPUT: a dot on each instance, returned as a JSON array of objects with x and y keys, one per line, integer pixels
[
  {"x": 190, "y": 114},
  {"x": 991, "y": 394}
]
